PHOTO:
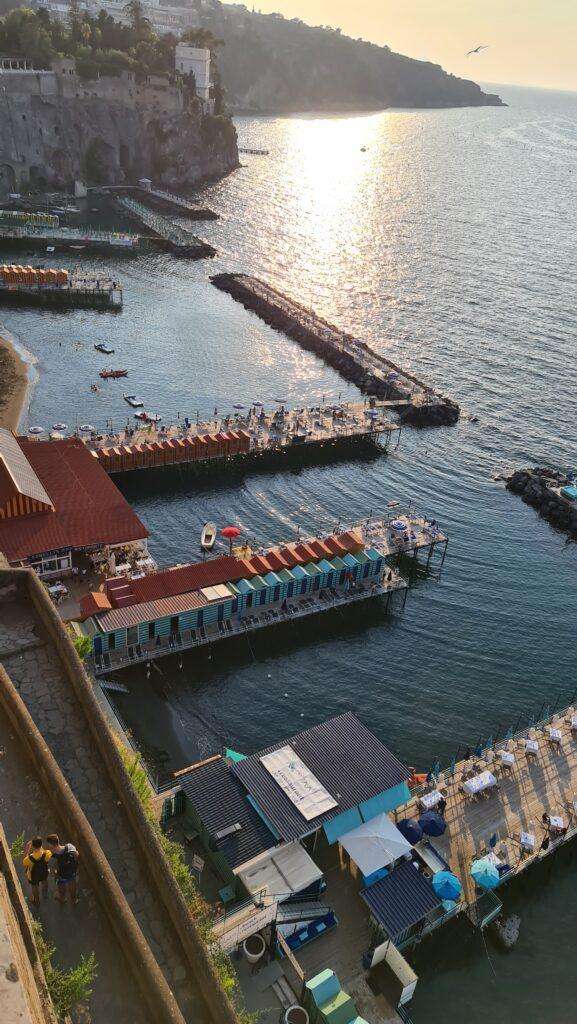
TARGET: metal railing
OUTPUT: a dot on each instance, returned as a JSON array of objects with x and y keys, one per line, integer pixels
[{"x": 202, "y": 636}]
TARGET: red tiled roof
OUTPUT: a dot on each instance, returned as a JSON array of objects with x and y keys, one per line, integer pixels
[
  {"x": 320, "y": 549},
  {"x": 351, "y": 540},
  {"x": 260, "y": 564},
  {"x": 180, "y": 581},
  {"x": 291, "y": 557},
  {"x": 89, "y": 508},
  {"x": 275, "y": 559},
  {"x": 124, "y": 593},
  {"x": 334, "y": 546},
  {"x": 307, "y": 554},
  {"x": 92, "y": 603}
]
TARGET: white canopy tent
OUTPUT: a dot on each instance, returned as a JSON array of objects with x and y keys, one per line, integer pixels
[
  {"x": 283, "y": 871},
  {"x": 375, "y": 844}
]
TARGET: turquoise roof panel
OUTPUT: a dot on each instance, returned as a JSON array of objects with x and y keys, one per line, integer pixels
[{"x": 350, "y": 561}]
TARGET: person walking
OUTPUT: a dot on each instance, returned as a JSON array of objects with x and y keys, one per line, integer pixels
[
  {"x": 65, "y": 857},
  {"x": 35, "y": 863}
]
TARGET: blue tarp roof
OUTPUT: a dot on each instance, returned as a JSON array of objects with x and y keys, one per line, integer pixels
[{"x": 401, "y": 899}]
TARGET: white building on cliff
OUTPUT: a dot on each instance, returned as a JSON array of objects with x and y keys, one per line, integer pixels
[
  {"x": 163, "y": 18},
  {"x": 191, "y": 58}
]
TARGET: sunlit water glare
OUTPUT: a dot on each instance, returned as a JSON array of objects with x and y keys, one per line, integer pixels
[{"x": 447, "y": 240}]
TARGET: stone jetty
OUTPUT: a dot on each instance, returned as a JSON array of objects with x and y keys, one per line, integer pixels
[
  {"x": 546, "y": 490},
  {"x": 417, "y": 403}
]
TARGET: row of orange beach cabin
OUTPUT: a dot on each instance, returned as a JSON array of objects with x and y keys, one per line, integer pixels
[
  {"x": 16, "y": 274},
  {"x": 172, "y": 451}
]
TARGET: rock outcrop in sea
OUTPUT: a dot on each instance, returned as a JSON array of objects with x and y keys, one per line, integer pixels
[{"x": 541, "y": 487}]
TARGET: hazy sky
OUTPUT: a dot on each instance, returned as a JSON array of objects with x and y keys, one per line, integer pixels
[{"x": 532, "y": 42}]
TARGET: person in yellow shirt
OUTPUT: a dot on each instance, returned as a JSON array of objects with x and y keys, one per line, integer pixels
[{"x": 36, "y": 867}]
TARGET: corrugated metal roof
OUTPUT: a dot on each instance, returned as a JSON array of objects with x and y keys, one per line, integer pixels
[
  {"x": 220, "y": 801},
  {"x": 346, "y": 758},
  {"x": 401, "y": 899},
  {"x": 132, "y": 615}
]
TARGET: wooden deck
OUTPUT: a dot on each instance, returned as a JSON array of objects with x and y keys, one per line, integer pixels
[
  {"x": 342, "y": 948},
  {"x": 268, "y": 428},
  {"x": 544, "y": 784}
]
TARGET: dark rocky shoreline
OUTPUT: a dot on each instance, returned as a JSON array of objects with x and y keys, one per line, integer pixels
[{"x": 537, "y": 487}]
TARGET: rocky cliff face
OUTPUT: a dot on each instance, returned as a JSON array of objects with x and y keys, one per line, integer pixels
[
  {"x": 110, "y": 132},
  {"x": 271, "y": 64}
]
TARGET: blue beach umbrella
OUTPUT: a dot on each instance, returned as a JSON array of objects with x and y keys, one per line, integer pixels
[
  {"x": 484, "y": 873},
  {"x": 410, "y": 829},
  {"x": 432, "y": 823},
  {"x": 446, "y": 885}
]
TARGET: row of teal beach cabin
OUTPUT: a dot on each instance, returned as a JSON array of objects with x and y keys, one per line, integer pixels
[{"x": 128, "y": 622}]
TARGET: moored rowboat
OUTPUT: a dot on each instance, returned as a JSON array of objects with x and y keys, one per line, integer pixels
[{"x": 208, "y": 536}]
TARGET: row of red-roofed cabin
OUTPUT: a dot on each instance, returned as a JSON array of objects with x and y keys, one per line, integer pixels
[{"x": 174, "y": 450}]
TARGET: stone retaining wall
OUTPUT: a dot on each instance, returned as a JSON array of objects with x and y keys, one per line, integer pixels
[
  {"x": 30, "y": 973},
  {"x": 145, "y": 969},
  {"x": 196, "y": 952}
]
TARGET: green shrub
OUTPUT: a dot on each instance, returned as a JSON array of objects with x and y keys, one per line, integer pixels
[
  {"x": 83, "y": 645},
  {"x": 197, "y": 905},
  {"x": 17, "y": 848},
  {"x": 69, "y": 988}
]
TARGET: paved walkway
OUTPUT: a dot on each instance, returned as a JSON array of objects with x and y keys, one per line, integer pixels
[
  {"x": 36, "y": 671},
  {"x": 25, "y": 807}
]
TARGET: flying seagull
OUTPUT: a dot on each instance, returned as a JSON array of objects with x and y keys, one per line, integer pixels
[{"x": 477, "y": 49}]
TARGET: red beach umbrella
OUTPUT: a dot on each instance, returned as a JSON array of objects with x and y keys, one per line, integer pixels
[{"x": 230, "y": 532}]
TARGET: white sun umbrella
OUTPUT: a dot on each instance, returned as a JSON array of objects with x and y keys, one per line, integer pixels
[{"x": 375, "y": 844}]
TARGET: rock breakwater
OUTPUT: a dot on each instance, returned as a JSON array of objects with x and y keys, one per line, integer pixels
[
  {"x": 542, "y": 488},
  {"x": 417, "y": 403}
]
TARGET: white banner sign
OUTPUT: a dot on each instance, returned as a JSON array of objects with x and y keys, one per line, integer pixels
[
  {"x": 238, "y": 928},
  {"x": 298, "y": 782}
]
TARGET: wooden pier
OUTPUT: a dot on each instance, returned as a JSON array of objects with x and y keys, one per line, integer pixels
[
  {"x": 418, "y": 403},
  {"x": 168, "y": 202},
  {"x": 78, "y": 292},
  {"x": 256, "y": 436},
  {"x": 388, "y": 536},
  {"x": 535, "y": 775},
  {"x": 87, "y": 239},
  {"x": 166, "y": 234},
  {"x": 206, "y": 636}
]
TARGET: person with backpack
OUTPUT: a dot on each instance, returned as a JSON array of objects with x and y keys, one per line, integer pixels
[
  {"x": 36, "y": 867},
  {"x": 65, "y": 859}
]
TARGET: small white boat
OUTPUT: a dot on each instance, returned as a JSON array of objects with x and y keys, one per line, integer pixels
[
  {"x": 103, "y": 347},
  {"x": 36, "y": 430},
  {"x": 87, "y": 428},
  {"x": 208, "y": 536},
  {"x": 59, "y": 426},
  {"x": 134, "y": 401}
]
